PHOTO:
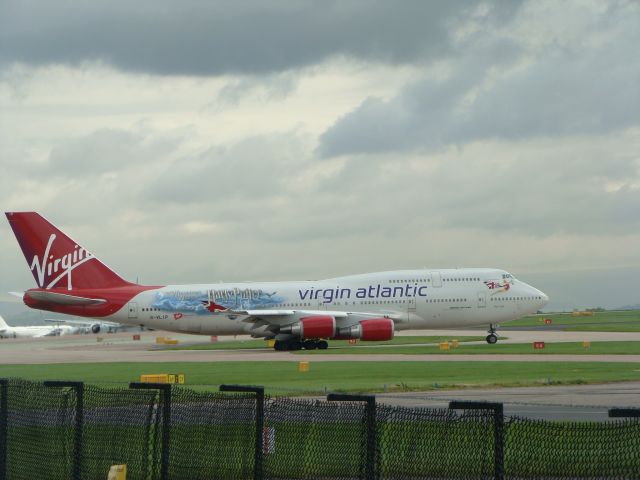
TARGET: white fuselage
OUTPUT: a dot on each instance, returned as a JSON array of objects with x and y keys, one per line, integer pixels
[
  {"x": 414, "y": 299},
  {"x": 32, "y": 332}
]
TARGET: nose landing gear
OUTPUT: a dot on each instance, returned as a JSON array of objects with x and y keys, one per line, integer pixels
[{"x": 492, "y": 338}]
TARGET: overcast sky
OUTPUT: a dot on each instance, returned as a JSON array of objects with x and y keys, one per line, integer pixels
[{"x": 192, "y": 141}]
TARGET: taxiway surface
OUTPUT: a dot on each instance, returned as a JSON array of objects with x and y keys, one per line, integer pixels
[
  {"x": 579, "y": 402},
  {"x": 121, "y": 347}
]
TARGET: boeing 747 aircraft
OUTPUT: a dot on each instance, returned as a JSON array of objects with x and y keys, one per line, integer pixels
[{"x": 302, "y": 314}]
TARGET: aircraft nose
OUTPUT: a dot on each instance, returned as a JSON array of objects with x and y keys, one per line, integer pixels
[
  {"x": 544, "y": 298},
  {"x": 541, "y": 297}
]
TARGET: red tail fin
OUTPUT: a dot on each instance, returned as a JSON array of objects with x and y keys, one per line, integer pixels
[{"x": 56, "y": 260}]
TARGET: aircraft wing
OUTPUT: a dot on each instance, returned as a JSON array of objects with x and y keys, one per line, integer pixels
[
  {"x": 47, "y": 333},
  {"x": 284, "y": 317},
  {"x": 287, "y": 317},
  {"x": 62, "y": 298},
  {"x": 82, "y": 323}
]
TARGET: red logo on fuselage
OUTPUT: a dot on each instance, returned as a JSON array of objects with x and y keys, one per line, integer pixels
[
  {"x": 498, "y": 287},
  {"x": 213, "y": 307}
]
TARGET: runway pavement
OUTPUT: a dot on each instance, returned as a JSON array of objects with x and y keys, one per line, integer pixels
[{"x": 121, "y": 347}]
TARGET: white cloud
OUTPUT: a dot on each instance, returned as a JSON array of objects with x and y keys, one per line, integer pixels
[{"x": 504, "y": 86}]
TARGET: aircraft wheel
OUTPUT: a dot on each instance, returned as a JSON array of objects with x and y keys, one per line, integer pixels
[
  {"x": 323, "y": 344},
  {"x": 280, "y": 346},
  {"x": 310, "y": 344},
  {"x": 492, "y": 339},
  {"x": 295, "y": 345}
]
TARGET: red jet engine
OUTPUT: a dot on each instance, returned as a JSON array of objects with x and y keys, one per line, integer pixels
[
  {"x": 320, "y": 326},
  {"x": 373, "y": 330}
]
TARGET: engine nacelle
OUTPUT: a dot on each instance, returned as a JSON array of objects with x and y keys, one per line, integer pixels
[
  {"x": 95, "y": 328},
  {"x": 372, "y": 330},
  {"x": 319, "y": 326}
]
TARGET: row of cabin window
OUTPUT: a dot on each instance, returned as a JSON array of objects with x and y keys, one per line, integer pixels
[
  {"x": 423, "y": 280},
  {"x": 371, "y": 302},
  {"x": 416, "y": 280},
  {"x": 361, "y": 302},
  {"x": 433, "y": 300},
  {"x": 516, "y": 298}
]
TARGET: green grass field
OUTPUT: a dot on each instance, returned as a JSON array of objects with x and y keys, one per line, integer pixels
[
  {"x": 564, "y": 348},
  {"x": 280, "y": 377},
  {"x": 607, "y": 321},
  {"x": 258, "y": 344}
]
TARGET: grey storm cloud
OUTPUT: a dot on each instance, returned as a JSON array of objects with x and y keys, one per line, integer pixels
[
  {"x": 105, "y": 150},
  {"x": 255, "y": 167},
  {"x": 211, "y": 38},
  {"x": 499, "y": 90}
]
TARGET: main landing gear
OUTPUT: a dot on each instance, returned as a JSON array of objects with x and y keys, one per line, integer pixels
[
  {"x": 492, "y": 338},
  {"x": 295, "y": 344}
]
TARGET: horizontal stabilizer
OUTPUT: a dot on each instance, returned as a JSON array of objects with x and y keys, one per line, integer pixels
[{"x": 62, "y": 298}]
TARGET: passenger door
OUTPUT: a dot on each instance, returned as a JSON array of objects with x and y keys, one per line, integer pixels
[{"x": 482, "y": 299}]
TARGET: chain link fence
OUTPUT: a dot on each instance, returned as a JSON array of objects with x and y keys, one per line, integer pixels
[
  {"x": 66, "y": 430},
  {"x": 121, "y": 426},
  {"x": 314, "y": 439},
  {"x": 438, "y": 442},
  {"x": 40, "y": 431},
  {"x": 212, "y": 435},
  {"x": 568, "y": 450}
]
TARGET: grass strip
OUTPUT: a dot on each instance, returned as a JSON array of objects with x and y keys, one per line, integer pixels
[
  {"x": 280, "y": 377},
  {"x": 606, "y": 321}
]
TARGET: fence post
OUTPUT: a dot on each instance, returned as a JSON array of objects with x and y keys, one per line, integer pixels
[
  {"x": 624, "y": 413},
  {"x": 165, "y": 401},
  {"x": 78, "y": 387},
  {"x": 259, "y": 392},
  {"x": 498, "y": 429},
  {"x": 4, "y": 419},
  {"x": 372, "y": 437}
]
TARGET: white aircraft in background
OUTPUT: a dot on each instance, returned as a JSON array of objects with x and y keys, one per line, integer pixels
[
  {"x": 7, "y": 331},
  {"x": 302, "y": 314},
  {"x": 85, "y": 326}
]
